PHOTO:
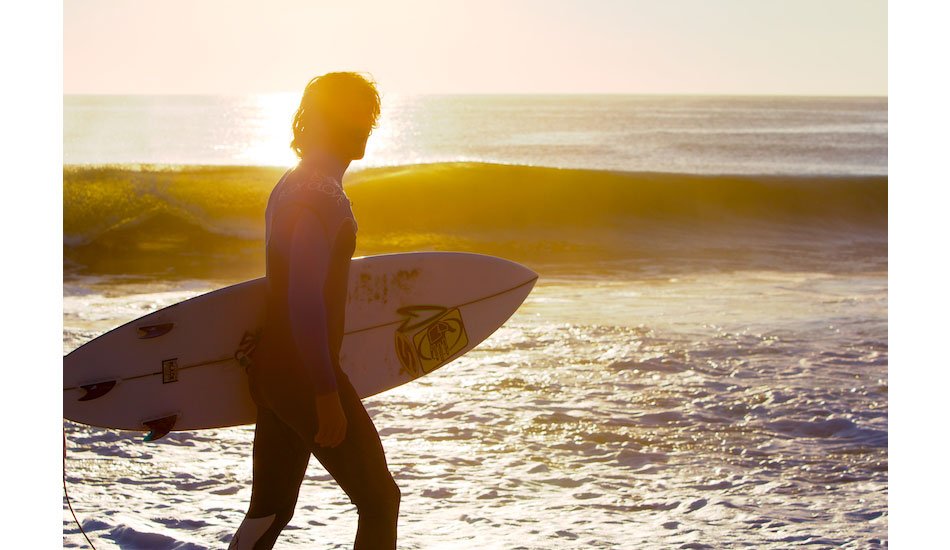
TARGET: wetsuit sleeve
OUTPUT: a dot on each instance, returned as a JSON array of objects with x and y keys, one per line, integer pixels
[{"x": 309, "y": 268}]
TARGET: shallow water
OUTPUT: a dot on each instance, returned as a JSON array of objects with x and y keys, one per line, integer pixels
[{"x": 717, "y": 410}]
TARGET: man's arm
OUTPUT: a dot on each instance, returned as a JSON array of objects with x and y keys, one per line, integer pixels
[{"x": 309, "y": 265}]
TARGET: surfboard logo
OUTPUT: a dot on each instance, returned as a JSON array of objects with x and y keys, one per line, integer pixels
[{"x": 426, "y": 344}]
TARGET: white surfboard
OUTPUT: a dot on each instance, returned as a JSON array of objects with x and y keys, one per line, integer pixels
[{"x": 181, "y": 368}]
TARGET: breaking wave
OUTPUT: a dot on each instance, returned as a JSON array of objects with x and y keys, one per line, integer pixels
[{"x": 178, "y": 220}]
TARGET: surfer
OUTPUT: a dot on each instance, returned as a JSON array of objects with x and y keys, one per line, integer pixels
[{"x": 306, "y": 404}]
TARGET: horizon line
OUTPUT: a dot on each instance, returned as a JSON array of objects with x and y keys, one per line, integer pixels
[{"x": 401, "y": 93}]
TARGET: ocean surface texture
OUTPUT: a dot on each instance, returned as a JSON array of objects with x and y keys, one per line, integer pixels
[{"x": 703, "y": 363}]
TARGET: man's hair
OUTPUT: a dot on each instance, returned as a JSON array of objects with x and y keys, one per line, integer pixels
[{"x": 329, "y": 94}]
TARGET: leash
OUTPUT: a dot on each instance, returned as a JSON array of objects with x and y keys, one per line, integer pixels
[{"x": 65, "y": 492}]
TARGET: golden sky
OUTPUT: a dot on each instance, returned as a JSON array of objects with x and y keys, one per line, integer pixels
[{"x": 834, "y": 47}]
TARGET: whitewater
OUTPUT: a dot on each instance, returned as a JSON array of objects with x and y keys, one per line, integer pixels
[{"x": 703, "y": 364}]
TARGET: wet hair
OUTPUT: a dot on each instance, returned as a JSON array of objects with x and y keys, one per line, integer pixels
[{"x": 329, "y": 95}]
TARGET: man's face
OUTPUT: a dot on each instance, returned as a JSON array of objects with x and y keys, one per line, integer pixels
[{"x": 352, "y": 126}]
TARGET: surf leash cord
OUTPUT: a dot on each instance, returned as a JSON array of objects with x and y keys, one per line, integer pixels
[{"x": 65, "y": 492}]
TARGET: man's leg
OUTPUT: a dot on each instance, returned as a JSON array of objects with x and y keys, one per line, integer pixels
[
  {"x": 358, "y": 465},
  {"x": 280, "y": 463}
]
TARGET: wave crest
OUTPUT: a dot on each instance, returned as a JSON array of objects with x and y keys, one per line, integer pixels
[{"x": 135, "y": 216}]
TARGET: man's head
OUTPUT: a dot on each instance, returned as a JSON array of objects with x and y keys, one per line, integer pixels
[{"x": 337, "y": 113}]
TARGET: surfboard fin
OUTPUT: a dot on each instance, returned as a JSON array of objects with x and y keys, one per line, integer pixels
[
  {"x": 160, "y": 427},
  {"x": 95, "y": 391},
  {"x": 154, "y": 331}
]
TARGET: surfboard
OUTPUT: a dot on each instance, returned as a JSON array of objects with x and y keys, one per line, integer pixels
[{"x": 184, "y": 367}]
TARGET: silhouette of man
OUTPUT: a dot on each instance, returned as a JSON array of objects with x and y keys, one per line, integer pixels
[{"x": 306, "y": 404}]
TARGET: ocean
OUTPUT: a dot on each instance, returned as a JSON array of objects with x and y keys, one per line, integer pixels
[{"x": 703, "y": 363}]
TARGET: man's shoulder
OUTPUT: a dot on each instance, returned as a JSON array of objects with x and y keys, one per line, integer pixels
[{"x": 310, "y": 189}]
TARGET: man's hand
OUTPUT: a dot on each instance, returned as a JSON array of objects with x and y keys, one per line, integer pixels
[{"x": 331, "y": 419}]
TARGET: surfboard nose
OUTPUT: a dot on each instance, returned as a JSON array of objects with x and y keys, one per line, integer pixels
[{"x": 503, "y": 266}]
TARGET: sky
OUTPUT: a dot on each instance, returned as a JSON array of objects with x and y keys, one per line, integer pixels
[{"x": 784, "y": 47}]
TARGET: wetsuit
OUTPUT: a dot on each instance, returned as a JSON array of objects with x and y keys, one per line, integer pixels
[{"x": 310, "y": 238}]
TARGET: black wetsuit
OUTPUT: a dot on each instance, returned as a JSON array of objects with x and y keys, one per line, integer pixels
[{"x": 311, "y": 237}]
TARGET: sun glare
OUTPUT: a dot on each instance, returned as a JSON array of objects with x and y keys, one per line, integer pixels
[{"x": 268, "y": 138}]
